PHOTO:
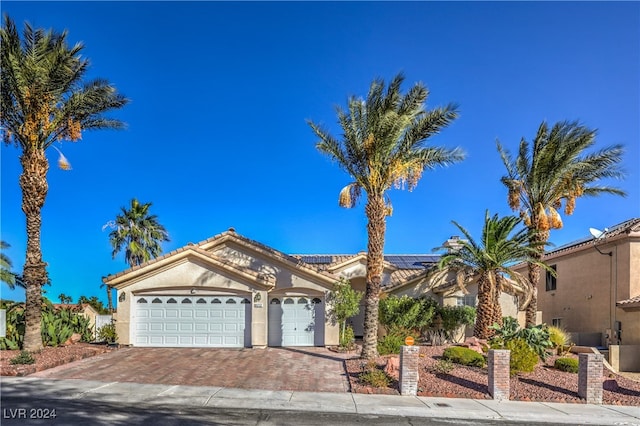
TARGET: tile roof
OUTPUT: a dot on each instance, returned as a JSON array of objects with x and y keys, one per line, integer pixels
[
  {"x": 633, "y": 302},
  {"x": 628, "y": 226}
]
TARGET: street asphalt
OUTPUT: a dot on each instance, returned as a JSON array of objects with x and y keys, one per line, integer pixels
[{"x": 60, "y": 395}]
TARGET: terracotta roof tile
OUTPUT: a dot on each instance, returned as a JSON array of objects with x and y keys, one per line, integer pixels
[{"x": 634, "y": 301}]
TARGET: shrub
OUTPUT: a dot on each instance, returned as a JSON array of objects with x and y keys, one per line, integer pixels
[
  {"x": 347, "y": 338},
  {"x": 406, "y": 312},
  {"x": 107, "y": 333},
  {"x": 24, "y": 357},
  {"x": 536, "y": 337},
  {"x": 450, "y": 320},
  {"x": 464, "y": 356},
  {"x": 559, "y": 338},
  {"x": 523, "y": 358},
  {"x": 390, "y": 344},
  {"x": 567, "y": 364},
  {"x": 442, "y": 366},
  {"x": 376, "y": 378}
]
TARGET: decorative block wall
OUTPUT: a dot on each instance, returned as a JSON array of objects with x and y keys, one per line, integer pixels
[
  {"x": 499, "y": 380},
  {"x": 409, "y": 370},
  {"x": 590, "y": 377}
]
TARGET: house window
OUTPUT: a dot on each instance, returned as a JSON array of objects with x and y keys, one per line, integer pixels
[
  {"x": 468, "y": 300},
  {"x": 556, "y": 322},
  {"x": 551, "y": 279}
]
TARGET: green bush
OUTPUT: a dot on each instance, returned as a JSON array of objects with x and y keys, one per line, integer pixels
[
  {"x": 15, "y": 328},
  {"x": 449, "y": 322},
  {"x": 107, "y": 333},
  {"x": 567, "y": 364},
  {"x": 523, "y": 358},
  {"x": 464, "y": 356},
  {"x": 442, "y": 366},
  {"x": 376, "y": 378},
  {"x": 390, "y": 344},
  {"x": 347, "y": 338},
  {"x": 405, "y": 312},
  {"x": 24, "y": 357}
]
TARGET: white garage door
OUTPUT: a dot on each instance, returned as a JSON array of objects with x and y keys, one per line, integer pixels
[
  {"x": 192, "y": 321},
  {"x": 296, "y": 321}
]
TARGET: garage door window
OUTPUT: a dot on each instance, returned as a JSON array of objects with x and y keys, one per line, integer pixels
[
  {"x": 142, "y": 300},
  {"x": 156, "y": 300},
  {"x": 171, "y": 301}
]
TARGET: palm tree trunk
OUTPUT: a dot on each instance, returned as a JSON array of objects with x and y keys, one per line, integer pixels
[
  {"x": 376, "y": 228},
  {"x": 33, "y": 182},
  {"x": 497, "y": 308},
  {"x": 534, "y": 279},
  {"x": 109, "y": 299},
  {"x": 485, "y": 310}
]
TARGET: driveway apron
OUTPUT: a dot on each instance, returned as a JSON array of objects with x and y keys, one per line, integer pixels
[{"x": 311, "y": 369}]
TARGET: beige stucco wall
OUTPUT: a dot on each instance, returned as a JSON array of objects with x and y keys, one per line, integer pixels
[{"x": 588, "y": 286}]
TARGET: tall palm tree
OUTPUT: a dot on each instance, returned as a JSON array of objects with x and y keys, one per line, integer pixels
[
  {"x": 489, "y": 262},
  {"x": 109, "y": 297},
  {"x": 384, "y": 145},
  {"x": 44, "y": 100},
  {"x": 553, "y": 171},
  {"x": 138, "y": 232},
  {"x": 6, "y": 276}
]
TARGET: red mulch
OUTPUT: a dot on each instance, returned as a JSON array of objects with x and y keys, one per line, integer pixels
[
  {"x": 544, "y": 384},
  {"x": 49, "y": 357}
]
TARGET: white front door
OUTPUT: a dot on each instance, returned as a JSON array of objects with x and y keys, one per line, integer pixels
[
  {"x": 296, "y": 321},
  {"x": 192, "y": 321}
]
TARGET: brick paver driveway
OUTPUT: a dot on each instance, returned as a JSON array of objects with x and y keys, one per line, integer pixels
[{"x": 297, "y": 369}]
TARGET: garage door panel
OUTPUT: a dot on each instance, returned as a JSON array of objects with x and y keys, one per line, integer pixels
[
  {"x": 186, "y": 321},
  {"x": 156, "y": 326},
  {"x": 296, "y": 321}
]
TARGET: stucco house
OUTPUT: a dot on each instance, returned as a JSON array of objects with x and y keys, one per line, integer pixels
[
  {"x": 231, "y": 291},
  {"x": 596, "y": 292}
]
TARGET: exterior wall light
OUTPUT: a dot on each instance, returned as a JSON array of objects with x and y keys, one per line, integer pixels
[
  {"x": 122, "y": 297},
  {"x": 257, "y": 297}
]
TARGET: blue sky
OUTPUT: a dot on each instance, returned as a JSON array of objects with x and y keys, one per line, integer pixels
[{"x": 220, "y": 93}]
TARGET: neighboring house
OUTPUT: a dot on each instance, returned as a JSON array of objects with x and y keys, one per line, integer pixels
[
  {"x": 230, "y": 291},
  {"x": 596, "y": 292}
]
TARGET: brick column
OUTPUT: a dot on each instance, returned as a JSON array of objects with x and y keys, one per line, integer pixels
[
  {"x": 409, "y": 370},
  {"x": 499, "y": 379},
  {"x": 590, "y": 377}
]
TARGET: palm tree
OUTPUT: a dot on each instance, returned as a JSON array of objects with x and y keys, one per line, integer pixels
[
  {"x": 489, "y": 262},
  {"x": 44, "y": 100},
  {"x": 6, "y": 276},
  {"x": 138, "y": 232},
  {"x": 555, "y": 169},
  {"x": 109, "y": 297},
  {"x": 383, "y": 145}
]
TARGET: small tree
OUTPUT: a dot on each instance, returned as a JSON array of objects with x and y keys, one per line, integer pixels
[{"x": 345, "y": 303}]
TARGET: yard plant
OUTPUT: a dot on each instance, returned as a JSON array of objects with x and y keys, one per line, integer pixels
[
  {"x": 44, "y": 101},
  {"x": 553, "y": 171},
  {"x": 570, "y": 365},
  {"x": 384, "y": 145},
  {"x": 489, "y": 262},
  {"x": 464, "y": 356}
]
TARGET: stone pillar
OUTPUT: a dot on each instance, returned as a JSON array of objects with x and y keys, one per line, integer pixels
[
  {"x": 590, "y": 377},
  {"x": 499, "y": 378},
  {"x": 409, "y": 370}
]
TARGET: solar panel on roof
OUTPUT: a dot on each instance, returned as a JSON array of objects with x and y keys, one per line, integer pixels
[
  {"x": 315, "y": 259},
  {"x": 411, "y": 261}
]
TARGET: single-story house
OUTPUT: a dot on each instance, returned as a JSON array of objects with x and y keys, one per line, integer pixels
[{"x": 231, "y": 291}]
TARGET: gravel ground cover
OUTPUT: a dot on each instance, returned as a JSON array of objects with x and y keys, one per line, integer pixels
[
  {"x": 544, "y": 384},
  {"x": 49, "y": 357}
]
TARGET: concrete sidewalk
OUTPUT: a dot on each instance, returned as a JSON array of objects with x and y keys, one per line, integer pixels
[{"x": 203, "y": 396}]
